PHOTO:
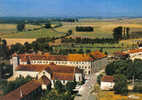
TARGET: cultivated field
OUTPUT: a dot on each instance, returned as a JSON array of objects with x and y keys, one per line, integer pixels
[
  {"x": 102, "y": 28},
  {"x": 11, "y": 28},
  {"x": 11, "y": 41}
]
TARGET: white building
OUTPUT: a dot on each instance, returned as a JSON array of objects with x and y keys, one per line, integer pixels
[
  {"x": 107, "y": 83},
  {"x": 134, "y": 54},
  {"x": 52, "y": 72},
  {"x": 81, "y": 61}
]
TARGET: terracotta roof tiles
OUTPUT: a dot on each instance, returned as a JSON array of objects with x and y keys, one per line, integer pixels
[{"x": 107, "y": 79}]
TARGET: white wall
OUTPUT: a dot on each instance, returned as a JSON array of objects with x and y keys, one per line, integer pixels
[
  {"x": 27, "y": 73},
  {"x": 107, "y": 85},
  {"x": 78, "y": 77}
]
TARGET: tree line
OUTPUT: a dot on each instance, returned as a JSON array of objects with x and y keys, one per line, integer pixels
[
  {"x": 84, "y": 29},
  {"x": 88, "y": 40},
  {"x": 120, "y": 33}
]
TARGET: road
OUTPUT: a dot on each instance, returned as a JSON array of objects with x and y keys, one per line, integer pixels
[{"x": 84, "y": 91}]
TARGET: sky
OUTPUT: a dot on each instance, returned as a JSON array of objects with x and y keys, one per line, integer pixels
[{"x": 69, "y": 8}]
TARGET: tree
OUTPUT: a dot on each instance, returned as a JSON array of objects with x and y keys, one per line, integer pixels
[
  {"x": 99, "y": 77},
  {"x": 80, "y": 51},
  {"x": 88, "y": 51},
  {"x": 20, "y": 27},
  {"x": 120, "y": 86},
  {"x": 70, "y": 86},
  {"x": 48, "y": 25},
  {"x": 127, "y": 32},
  {"x": 117, "y": 33},
  {"x": 58, "y": 86}
]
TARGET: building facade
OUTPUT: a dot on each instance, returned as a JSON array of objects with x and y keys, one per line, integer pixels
[
  {"x": 81, "y": 61},
  {"x": 52, "y": 72},
  {"x": 107, "y": 83}
]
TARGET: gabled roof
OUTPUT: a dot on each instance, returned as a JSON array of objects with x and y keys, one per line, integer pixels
[
  {"x": 22, "y": 91},
  {"x": 107, "y": 78},
  {"x": 58, "y": 72}
]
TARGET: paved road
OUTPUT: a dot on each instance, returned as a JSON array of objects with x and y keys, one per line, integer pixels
[{"x": 85, "y": 89}]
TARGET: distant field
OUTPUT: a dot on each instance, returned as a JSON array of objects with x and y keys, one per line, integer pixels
[
  {"x": 11, "y": 28},
  {"x": 33, "y": 34},
  {"x": 11, "y": 41},
  {"x": 102, "y": 28}
]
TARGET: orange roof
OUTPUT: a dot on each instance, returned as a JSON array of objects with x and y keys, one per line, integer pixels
[
  {"x": 24, "y": 90},
  {"x": 79, "y": 57},
  {"x": 60, "y": 72},
  {"x": 120, "y": 53},
  {"x": 29, "y": 67},
  {"x": 70, "y": 57},
  {"x": 97, "y": 54},
  {"x": 107, "y": 79},
  {"x": 133, "y": 51},
  {"x": 62, "y": 76}
]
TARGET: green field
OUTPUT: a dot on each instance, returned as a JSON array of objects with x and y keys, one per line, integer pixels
[
  {"x": 33, "y": 34},
  {"x": 103, "y": 28}
]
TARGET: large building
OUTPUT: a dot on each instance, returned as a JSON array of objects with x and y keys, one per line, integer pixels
[
  {"x": 52, "y": 72},
  {"x": 81, "y": 61}
]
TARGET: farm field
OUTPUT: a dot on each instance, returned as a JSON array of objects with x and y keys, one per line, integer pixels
[
  {"x": 103, "y": 28},
  {"x": 12, "y": 41},
  {"x": 33, "y": 34},
  {"x": 11, "y": 28}
]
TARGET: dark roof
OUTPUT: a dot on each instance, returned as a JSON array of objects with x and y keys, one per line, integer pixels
[{"x": 107, "y": 79}]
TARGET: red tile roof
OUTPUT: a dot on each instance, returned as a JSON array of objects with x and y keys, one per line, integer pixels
[
  {"x": 62, "y": 76},
  {"x": 70, "y": 57},
  {"x": 60, "y": 72},
  {"x": 107, "y": 79},
  {"x": 97, "y": 54},
  {"x": 133, "y": 51},
  {"x": 120, "y": 54},
  {"x": 79, "y": 57},
  {"x": 24, "y": 90}
]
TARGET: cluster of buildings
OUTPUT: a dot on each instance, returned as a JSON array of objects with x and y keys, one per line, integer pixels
[
  {"x": 131, "y": 54},
  {"x": 45, "y": 69},
  {"x": 107, "y": 82}
]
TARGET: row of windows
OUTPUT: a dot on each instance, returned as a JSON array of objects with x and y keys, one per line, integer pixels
[
  {"x": 56, "y": 62},
  {"x": 84, "y": 67}
]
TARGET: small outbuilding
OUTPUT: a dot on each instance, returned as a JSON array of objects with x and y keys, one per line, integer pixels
[{"x": 107, "y": 83}]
